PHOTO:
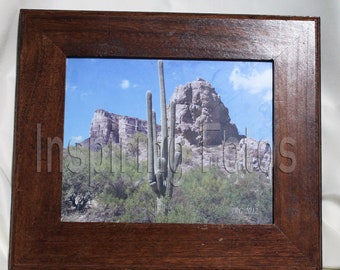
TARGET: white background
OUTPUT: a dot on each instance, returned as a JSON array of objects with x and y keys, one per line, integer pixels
[{"x": 328, "y": 10}]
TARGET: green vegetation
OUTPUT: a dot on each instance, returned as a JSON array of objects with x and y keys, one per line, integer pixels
[{"x": 111, "y": 184}]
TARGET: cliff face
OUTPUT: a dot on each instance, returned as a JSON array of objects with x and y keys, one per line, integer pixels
[{"x": 113, "y": 128}]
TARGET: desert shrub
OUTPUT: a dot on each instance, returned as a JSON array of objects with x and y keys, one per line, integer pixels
[{"x": 122, "y": 192}]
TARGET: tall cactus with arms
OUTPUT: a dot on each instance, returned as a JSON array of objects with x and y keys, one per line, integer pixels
[{"x": 163, "y": 159}]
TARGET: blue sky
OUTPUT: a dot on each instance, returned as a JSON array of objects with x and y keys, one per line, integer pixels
[{"x": 120, "y": 85}]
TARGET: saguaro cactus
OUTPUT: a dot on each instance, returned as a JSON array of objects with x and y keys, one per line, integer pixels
[{"x": 163, "y": 159}]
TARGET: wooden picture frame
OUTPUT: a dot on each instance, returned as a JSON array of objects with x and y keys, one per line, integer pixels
[{"x": 39, "y": 240}]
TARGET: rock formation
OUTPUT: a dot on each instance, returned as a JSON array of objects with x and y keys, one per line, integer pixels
[
  {"x": 201, "y": 116},
  {"x": 108, "y": 127}
]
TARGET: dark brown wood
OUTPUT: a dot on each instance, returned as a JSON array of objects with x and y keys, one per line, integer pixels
[{"x": 46, "y": 38}]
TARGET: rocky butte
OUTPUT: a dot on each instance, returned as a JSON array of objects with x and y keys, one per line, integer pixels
[
  {"x": 201, "y": 115},
  {"x": 108, "y": 127}
]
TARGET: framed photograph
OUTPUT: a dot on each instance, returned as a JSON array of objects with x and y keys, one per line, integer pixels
[
  {"x": 220, "y": 175},
  {"x": 157, "y": 141}
]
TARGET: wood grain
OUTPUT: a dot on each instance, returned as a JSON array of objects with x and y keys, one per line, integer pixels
[{"x": 46, "y": 38}]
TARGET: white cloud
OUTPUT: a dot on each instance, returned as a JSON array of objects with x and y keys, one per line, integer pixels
[
  {"x": 254, "y": 82},
  {"x": 125, "y": 84},
  {"x": 71, "y": 88},
  {"x": 268, "y": 96},
  {"x": 84, "y": 94},
  {"x": 76, "y": 139},
  {"x": 93, "y": 60}
]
